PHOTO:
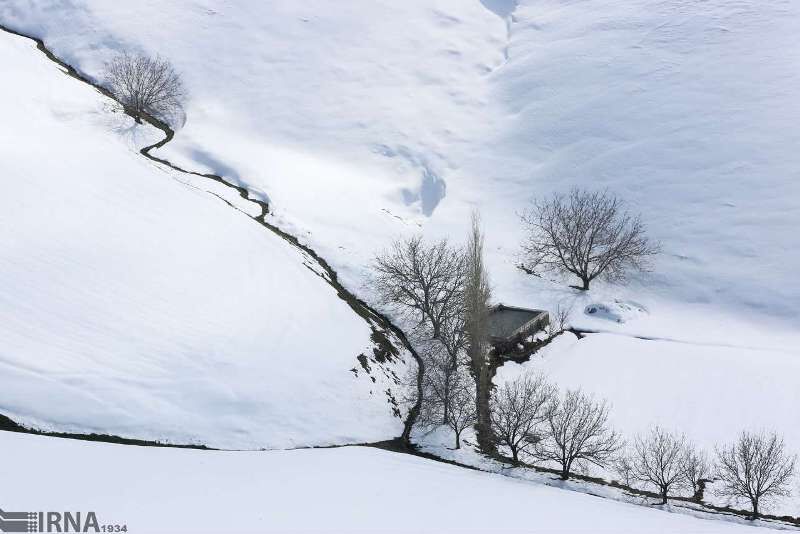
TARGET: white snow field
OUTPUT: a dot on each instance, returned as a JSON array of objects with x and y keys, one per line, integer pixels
[
  {"x": 365, "y": 119},
  {"x": 350, "y": 489},
  {"x": 709, "y": 392},
  {"x": 706, "y": 391},
  {"x": 135, "y": 305},
  {"x": 362, "y": 120}
]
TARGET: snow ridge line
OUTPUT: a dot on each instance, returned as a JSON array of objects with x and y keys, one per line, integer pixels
[{"x": 379, "y": 323}]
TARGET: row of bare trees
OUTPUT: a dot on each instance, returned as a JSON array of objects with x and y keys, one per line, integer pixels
[
  {"x": 531, "y": 419},
  {"x": 756, "y": 467}
]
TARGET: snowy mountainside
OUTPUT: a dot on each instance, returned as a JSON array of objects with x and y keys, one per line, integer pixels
[
  {"x": 134, "y": 303},
  {"x": 365, "y": 120},
  {"x": 361, "y": 121}
]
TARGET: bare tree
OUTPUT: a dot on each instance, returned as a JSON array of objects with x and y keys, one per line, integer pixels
[
  {"x": 476, "y": 327},
  {"x": 430, "y": 384},
  {"x": 696, "y": 471},
  {"x": 754, "y": 468},
  {"x": 623, "y": 465},
  {"x": 518, "y": 408},
  {"x": 424, "y": 284},
  {"x": 145, "y": 85},
  {"x": 659, "y": 460},
  {"x": 462, "y": 410},
  {"x": 587, "y": 234},
  {"x": 559, "y": 321},
  {"x": 578, "y": 432}
]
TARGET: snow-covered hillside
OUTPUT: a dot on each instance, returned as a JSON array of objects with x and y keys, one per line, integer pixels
[
  {"x": 352, "y": 489},
  {"x": 132, "y": 303},
  {"x": 138, "y": 301},
  {"x": 365, "y": 119},
  {"x": 709, "y": 392}
]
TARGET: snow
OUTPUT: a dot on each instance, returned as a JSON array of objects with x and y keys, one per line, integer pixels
[
  {"x": 709, "y": 392},
  {"x": 699, "y": 389},
  {"x": 365, "y": 120},
  {"x": 617, "y": 311},
  {"x": 351, "y": 489},
  {"x": 134, "y": 304},
  {"x": 439, "y": 442}
]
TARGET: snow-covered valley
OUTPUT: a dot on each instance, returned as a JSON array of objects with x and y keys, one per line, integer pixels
[{"x": 146, "y": 303}]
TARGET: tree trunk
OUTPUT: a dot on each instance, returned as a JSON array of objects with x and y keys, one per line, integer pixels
[
  {"x": 755, "y": 509},
  {"x": 514, "y": 455},
  {"x": 458, "y": 440},
  {"x": 446, "y": 414},
  {"x": 663, "y": 496},
  {"x": 483, "y": 424},
  {"x": 476, "y": 326},
  {"x": 699, "y": 490},
  {"x": 413, "y": 414},
  {"x": 585, "y": 283}
]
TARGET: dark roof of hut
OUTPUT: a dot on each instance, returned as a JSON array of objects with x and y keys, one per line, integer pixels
[{"x": 507, "y": 321}]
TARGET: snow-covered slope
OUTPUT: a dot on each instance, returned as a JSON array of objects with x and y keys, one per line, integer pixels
[
  {"x": 362, "y": 120},
  {"x": 134, "y": 304},
  {"x": 365, "y": 119},
  {"x": 351, "y": 489},
  {"x": 688, "y": 110},
  {"x": 708, "y": 392}
]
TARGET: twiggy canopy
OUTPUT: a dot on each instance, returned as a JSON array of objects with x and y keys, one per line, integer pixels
[
  {"x": 145, "y": 84},
  {"x": 755, "y": 467},
  {"x": 587, "y": 234}
]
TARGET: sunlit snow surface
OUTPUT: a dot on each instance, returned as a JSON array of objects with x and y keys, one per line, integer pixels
[
  {"x": 133, "y": 304},
  {"x": 352, "y": 489},
  {"x": 363, "y": 119}
]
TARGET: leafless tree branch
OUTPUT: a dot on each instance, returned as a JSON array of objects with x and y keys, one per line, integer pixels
[
  {"x": 754, "y": 468},
  {"x": 578, "y": 431},
  {"x": 586, "y": 234},
  {"x": 518, "y": 409},
  {"x": 144, "y": 84},
  {"x": 658, "y": 459}
]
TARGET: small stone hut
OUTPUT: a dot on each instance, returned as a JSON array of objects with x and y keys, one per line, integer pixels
[{"x": 509, "y": 325}]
